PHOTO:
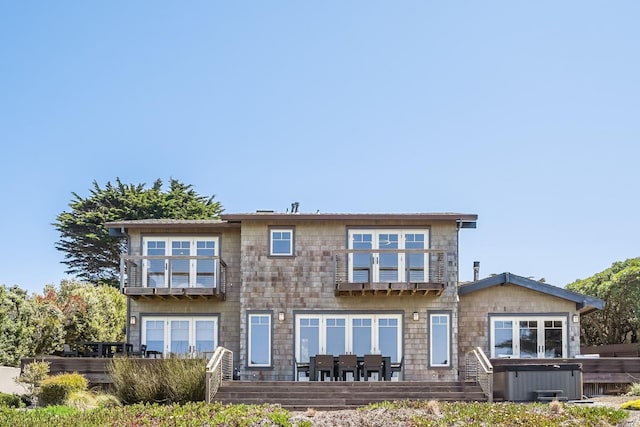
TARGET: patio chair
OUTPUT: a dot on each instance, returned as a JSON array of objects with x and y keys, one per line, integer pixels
[
  {"x": 347, "y": 363},
  {"x": 68, "y": 352},
  {"x": 302, "y": 368},
  {"x": 372, "y": 363},
  {"x": 324, "y": 364},
  {"x": 140, "y": 353},
  {"x": 397, "y": 367}
]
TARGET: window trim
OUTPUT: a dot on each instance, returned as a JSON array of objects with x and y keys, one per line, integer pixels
[
  {"x": 168, "y": 317},
  {"x": 292, "y": 248},
  {"x": 269, "y": 315},
  {"x": 430, "y": 315},
  {"x": 516, "y": 318},
  {"x": 349, "y": 316}
]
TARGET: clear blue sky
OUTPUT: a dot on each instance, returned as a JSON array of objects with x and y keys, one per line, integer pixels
[{"x": 525, "y": 113}]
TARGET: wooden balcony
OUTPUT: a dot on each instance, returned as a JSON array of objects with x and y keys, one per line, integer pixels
[
  {"x": 173, "y": 277},
  {"x": 390, "y": 272}
]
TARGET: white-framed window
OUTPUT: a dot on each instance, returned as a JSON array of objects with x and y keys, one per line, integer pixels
[
  {"x": 384, "y": 257},
  {"x": 180, "y": 262},
  {"x": 259, "y": 342},
  {"x": 281, "y": 241},
  {"x": 439, "y": 339},
  {"x": 528, "y": 336},
  {"x": 352, "y": 333},
  {"x": 180, "y": 335}
]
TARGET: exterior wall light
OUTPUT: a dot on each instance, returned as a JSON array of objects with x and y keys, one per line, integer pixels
[
  {"x": 416, "y": 315},
  {"x": 575, "y": 318},
  {"x": 133, "y": 320},
  {"x": 281, "y": 316}
]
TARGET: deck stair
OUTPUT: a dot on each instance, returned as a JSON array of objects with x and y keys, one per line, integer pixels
[{"x": 294, "y": 395}]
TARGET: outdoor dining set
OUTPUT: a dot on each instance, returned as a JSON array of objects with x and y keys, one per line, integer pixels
[
  {"x": 106, "y": 349},
  {"x": 322, "y": 367}
]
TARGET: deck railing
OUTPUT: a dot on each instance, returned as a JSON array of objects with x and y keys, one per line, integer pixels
[
  {"x": 390, "y": 266},
  {"x": 180, "y": 271},
  {"x": 219, "y": 369},
  {"x": 480, "y": 370}
]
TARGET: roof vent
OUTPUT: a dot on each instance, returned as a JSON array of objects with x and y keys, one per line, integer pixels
[
  {"x": 294, "y": 207},
  {"x": 265, "y": 211}
]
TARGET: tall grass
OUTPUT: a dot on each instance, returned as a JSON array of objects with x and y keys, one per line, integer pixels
[{"x": 172, "y": 380}]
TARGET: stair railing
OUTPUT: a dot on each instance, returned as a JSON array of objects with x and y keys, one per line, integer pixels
[
  {"x": 479, "y": 369},
  {"x": 219, "y": 368}
]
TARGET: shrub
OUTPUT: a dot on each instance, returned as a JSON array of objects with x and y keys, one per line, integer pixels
[
  {"x": 32, "y": 376},
  {"x": 173, "y": 380},
  {"x": 633, "y": 405},
  {"x": 56, "y": 389},
  {"x": 10, "y": 400},
  {"x": 634, "y": 390}
]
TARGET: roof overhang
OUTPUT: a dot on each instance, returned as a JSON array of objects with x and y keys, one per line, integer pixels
[{"x": 584, "y": 303}]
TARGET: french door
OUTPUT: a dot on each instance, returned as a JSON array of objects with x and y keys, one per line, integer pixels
[
  {"x": 348, "y": 334},
  {"x": 180, "y": 335},
  {"x": 179, "y": 269},
  {"x": 385, "y": 259},
  {"x": 529, "y": 336}
]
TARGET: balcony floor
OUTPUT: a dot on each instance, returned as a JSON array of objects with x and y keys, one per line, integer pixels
[{"x": 407, "y": 289}]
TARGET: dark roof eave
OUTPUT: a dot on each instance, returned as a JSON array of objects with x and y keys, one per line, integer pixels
[{"x": 465, "y": 220}]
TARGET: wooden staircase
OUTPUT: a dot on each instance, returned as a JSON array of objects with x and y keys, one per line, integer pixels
[{"x": 294, "y": 395}]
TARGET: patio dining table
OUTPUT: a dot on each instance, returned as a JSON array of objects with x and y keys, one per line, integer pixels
[
  {"x": 386, "y": 367},
  {"x": 101, "y": 348}
]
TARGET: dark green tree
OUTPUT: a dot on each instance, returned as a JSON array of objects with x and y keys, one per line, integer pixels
[
  {"x": 91, "y": 253},
  {"x": 619, "y": 287}
]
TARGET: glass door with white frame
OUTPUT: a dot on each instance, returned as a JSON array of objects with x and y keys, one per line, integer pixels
[
  {"x": 180, "y": 335},
  {"x": 358, "y": 334},
  {"x": 386, "y": 259},
  {"x": 189, "y": 262},
  {"x": 529, "y": 337}
]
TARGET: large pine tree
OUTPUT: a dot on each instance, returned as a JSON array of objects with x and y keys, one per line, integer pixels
[{"x": 90, "y": 253}]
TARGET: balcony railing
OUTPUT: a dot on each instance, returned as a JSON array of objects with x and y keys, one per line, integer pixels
[
  {"x": 173, "y": 276},
  {"x": 392, "y": 272}
]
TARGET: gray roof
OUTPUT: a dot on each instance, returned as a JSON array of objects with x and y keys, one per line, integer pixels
[
  {"x": 465, "y": 220},
  {"x": 584, "y": 303}
]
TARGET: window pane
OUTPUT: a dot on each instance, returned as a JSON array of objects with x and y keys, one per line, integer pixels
[
  {"x": 503, "y": 338},
  {"x": 439, "y": 340},
  {"x": 259, "y": 340},
  {"x": 179, "y": 336},
  {"x": 155, "y": 267},
  {"x": 415, "y": 262},
  {"x": 553, "y": 339},
  {"x": 361, "y": 336},
  {"x": 528, "y": 339},
  {"x": 282, "y": 243},
  {"x": 388, "y": 333},
  {"x": 205, "y": 268},
  {"x": 180, "y": 267},
  {"x": 154, "y": 335},
  {"x": 361, "y": 262},
  {"x": 388, "y": 262},
  {"x": 335, "y": 335},
  {"x": 309, "y": 338},
  {"x": 205, "y": 335}
]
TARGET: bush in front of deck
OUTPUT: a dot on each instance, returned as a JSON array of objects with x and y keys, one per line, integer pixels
[
  {"x": 10, "y": 400},
  {"x": 56, "y": 389},
  {"x": 172, "y": 380}
]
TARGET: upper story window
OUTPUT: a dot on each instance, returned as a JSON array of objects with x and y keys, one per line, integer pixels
[
  {"x": 388, "y": 255},
  {"x": 281, "y": 241},
  {"x": 180, "y": 262}
]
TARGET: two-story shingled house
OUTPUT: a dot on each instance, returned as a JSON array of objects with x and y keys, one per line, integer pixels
[{"x": 279, "y": 288}]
